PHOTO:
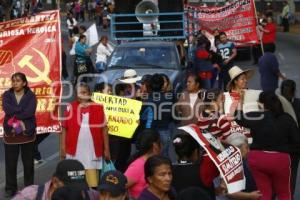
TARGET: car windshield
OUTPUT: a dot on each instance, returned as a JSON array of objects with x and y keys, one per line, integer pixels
[{"x": 141, "y": 57}]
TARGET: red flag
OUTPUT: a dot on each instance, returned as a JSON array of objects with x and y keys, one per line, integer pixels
[
  {"x": 32, "y": 45},
  {"x": 237, "y": 19}
]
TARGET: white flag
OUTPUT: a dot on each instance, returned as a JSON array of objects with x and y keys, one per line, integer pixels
[{"x": 92, "y": 37}]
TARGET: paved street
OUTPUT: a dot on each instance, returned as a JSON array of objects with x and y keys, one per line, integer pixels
[{"x": 287, "y": 51}]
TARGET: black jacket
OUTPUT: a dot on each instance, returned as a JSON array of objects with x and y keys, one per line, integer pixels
[{"x": 271, "y": 133}]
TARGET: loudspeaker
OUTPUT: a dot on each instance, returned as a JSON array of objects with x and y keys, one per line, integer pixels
[
  {"x": 170, "y": 6},
  {"x": 127, "y": 7}
]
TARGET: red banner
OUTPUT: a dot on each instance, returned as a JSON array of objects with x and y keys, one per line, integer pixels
[
  {"x": 237, "y": 19},
  {"x": 228, "y": 160},
  {"x": 32, "y": 45}
]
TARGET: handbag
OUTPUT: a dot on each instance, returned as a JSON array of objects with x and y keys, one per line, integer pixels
[
  {"x": 107, "y": 165},
  {"x": 82, "y": 68}
]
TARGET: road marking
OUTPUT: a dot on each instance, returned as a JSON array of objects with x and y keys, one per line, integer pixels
[{"x": 20, "y": 174}]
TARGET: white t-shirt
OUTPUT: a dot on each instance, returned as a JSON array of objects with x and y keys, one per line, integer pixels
[
  {"x": 193, "y": 99},
  {"x": 85, "y": 151},
  {"x": 70, "y": 25},
  {"x": 103, "y": 52},
  {"x": 72, "y": 51}
]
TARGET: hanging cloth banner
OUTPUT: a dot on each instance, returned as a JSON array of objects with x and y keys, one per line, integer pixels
[
  {"x": 32, "y": 45},
  {"x": 237, "y": 19},
  {"x": 228, "y": 160}
]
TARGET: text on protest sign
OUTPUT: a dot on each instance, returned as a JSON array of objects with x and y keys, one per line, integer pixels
[
  {"x": 237, "y": 19},
  {"x": 122, "y": 114},
  {"x": 228, "y": 160}
]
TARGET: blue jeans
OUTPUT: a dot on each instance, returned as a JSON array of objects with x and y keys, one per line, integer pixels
[
  {"x": 100, "y": 66},
  {"x": 165, "y": 137}
]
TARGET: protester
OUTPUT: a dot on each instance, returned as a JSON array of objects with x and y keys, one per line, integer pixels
[
  {"x": 125, "y": 86},
  {"x": 269, "y": 35},
  {"x": 68, "y": 193},
  {"x": 88, "y": 145},
  {"x": 189, "y": 104},
  {"x": 269, "y": 9},
  {"x": 104, "y": 50},
  {"x": 213, "y": 121},
  {"x": 158, "y": 175},
  {"x": 82, "y": 11},
  {"x": 288, "y": 91},
  {"x": 202, "y": 63},
  {"x": 275, "y": 135},
  {"x": 186, "y": 170},
  {"x": 148, "y": 145},
  {"x": 167, "y": 84},
  {"x": 145, "y": 87},
  {"x": 105, "y": 19},
  {"x": 77, "y": 10},
  {"x": 250, "y": 192},
  {"x": 285, "y": 14},
  {"x": 113, "y": 186},
  {"x": 64, "y": 70},
  {"x": 71, "y": 23},
  {"x": 68, "y": 173},
  {"x": 19, "y": 105},
  {"x": 211, "y": 118},
  {"x": 157, "y": 101},
  {"x": 83, "y": 63},
  {"x": 239, "y": 79},
  {"x": 103, "y": 87},
  {"x": 228, "y": 52},
  {"x": 269, "y": 72},
  {"x": 146, "y": 113}
]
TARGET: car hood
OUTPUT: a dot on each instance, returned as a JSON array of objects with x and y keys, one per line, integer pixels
[{"x": 113, "y": 74}]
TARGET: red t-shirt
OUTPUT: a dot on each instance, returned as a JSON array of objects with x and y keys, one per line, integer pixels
[{"x": 271, "y": 36}]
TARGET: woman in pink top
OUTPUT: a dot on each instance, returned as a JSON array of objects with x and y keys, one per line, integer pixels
[{"x": 148, "y": 144}]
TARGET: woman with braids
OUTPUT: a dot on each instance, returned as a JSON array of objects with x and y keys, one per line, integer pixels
[{"x": 148, "y": 145}]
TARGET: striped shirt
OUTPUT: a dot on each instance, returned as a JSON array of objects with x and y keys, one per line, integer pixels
[{"x": 218, "y": 125}]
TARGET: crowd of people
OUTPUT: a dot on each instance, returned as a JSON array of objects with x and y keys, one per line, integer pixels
[
  {"x": 149, "y": 173},
  {"x": 144, "y": 168}
]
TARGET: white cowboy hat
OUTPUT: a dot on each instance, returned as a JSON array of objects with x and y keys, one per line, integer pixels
[
  {"x": 235, "y": 71},
  {"x": 130, "y": 76}
]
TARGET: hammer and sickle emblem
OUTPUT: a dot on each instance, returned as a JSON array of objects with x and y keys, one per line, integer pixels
[{"x": 41, "y": 76}]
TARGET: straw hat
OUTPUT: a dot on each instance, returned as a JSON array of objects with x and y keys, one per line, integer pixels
[
  {"x": 235, "y": 71},
  {"x": 130, "y": 76}
]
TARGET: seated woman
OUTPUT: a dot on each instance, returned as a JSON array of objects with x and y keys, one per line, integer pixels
[
  {"x": 149, "y": 144},
  {"x": 158, "y": 175},
  {"x": 186, "y": 171}
]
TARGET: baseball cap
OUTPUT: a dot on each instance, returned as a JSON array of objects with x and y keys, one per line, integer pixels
[
  {"x": 71, "y": 173},
  {"x": 113, "y": 182}
]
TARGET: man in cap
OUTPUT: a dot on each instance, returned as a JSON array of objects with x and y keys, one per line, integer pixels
[
  {"x": 68, "y": 173},
  {"x": 113, "y": 186}
]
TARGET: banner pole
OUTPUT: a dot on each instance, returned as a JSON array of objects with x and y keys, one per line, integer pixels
[{"x": 257, "y": 22}]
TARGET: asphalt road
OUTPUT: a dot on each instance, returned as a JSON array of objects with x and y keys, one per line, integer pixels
[{"x": 288, "y": 52}]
